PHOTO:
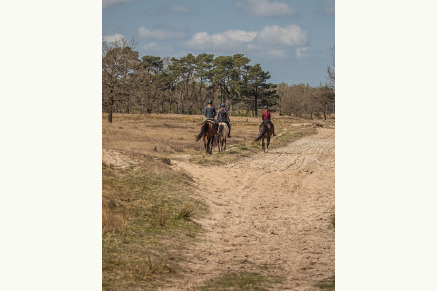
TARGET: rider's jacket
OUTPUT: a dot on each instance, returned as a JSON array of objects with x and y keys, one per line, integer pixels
[
  {"x": 210, "y": 112},
  {"x": 222, "y": 115},
  {"x": 266, "y": 114}
]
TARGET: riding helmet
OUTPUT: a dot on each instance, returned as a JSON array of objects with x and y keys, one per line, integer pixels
[
  {"x": 265, "y": 107},
  {"x": 223, "y": 105},
  {"x": 210, "y": 102}
]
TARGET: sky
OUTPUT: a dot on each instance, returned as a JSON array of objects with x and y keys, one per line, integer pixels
[{"x": 290, "y": 39}]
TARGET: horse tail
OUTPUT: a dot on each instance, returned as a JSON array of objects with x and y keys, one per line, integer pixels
[
  {"x": 221, "y": 128},
  {"x": 265, "y": 127},
  {"x": 219, "y": 132},
  {"x": 203, "y": 130}
]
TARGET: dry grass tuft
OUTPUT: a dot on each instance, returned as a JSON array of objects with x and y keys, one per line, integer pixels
[
  {"x": 113, "y": 218},
  {"x": 186, "y": 212},
  {"x": 242, "y": 281},
  {"x": 151, "y": 267},
  {"x": 327, "y": 284},
  {"x": 159, "y": 217},
  {"x": 332, "y": 220}
]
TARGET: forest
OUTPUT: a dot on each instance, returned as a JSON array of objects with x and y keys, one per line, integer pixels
[{"x": 149, "y": 84}]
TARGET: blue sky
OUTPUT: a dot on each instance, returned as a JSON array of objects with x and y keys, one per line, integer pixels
[{"x": 290, "y": 39}]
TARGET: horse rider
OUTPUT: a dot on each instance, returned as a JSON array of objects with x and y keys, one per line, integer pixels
[
  {"x": 266, "y": 117},
  {"x": 222, "y": 116},
  {"x": 210, "y": 111}
]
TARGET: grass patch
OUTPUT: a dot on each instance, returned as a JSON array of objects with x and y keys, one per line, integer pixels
[
  {"x": 145, "y": 229},
  {"x": 240, "y": 281},
  {"x": 332, "y": 220},
  {"x": 327, "y": 284}
]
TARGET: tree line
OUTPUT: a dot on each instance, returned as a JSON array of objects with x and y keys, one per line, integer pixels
[
  {"x": 151, "y": 84},
  {"x": 306, "y": 101}
]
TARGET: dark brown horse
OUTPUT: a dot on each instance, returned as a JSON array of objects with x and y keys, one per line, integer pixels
[
  {"x": 265, "y": 133},
  {"x": 208, "y": 131}
]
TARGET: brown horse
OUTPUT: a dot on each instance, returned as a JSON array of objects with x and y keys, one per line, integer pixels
[
  {"x": 221, "y": 136},
  {"x": 208, "y": 131},
  {"x": 265, "y": 133}
]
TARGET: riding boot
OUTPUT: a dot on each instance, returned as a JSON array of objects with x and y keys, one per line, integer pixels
[
  {"x": 273, "y": 130},
  {"x": 229, "y": 131}
]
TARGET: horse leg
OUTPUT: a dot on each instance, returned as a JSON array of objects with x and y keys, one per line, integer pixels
[
  {"x": 263, "y": 144},
  {"x": 207, "y": 145},
  {"x": 219, "y": 144},
  {"x": 225, "y": 140},
  {"x": 267, "y": 144},
  {"x": 211, "y": 146}
]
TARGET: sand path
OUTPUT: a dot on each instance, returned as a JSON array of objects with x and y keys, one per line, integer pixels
[{"x": 270, "y": 214}]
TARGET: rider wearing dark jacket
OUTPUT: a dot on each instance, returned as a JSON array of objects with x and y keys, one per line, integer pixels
[
  {"x": 210, "y": 110},
  {"x": 222, "y": 116},
  {"x": 266, "y": 117}
]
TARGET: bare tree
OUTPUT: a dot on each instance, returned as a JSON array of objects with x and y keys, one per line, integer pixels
[
  {"x": 118, "y": 65},
  {"x": 331, "y": 74},
  {"x": 331, "y": 69}
]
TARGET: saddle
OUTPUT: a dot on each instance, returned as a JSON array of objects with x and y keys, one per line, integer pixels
[
  {"x": 209, "y": 120},
  {"x": 268, "y": 123}
]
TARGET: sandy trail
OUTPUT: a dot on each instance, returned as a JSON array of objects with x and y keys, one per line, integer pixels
[{"x": 270, "y": 214}]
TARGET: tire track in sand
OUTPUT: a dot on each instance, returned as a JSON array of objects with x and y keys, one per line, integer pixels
[{"x": 270, "y": 214}]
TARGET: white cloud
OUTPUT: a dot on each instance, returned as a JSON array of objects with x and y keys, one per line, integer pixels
[
  {"x": 267, "y": 51},
  {"x": 272, "y": 41},
  {"x": 266, "y": 8},
  {"x": 240, "y": 35},
  {"x": 291, "y": 35},
  {"x": 113, "y": 38},
  {"x": 302, "y": 52},
  {"x": 160, "y": 33},
  {"x": 106, "y": 3},
  {"x": 227, "y": 40}
]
